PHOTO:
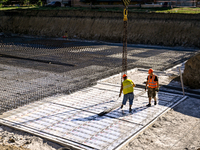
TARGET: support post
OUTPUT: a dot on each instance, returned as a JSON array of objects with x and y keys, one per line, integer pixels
[{"x": 181, "y": 81}]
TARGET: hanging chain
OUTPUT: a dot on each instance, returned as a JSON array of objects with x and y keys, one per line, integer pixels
[{"x": 124, "y": 54}]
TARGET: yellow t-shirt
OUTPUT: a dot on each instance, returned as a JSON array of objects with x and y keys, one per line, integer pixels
[{"x": 128, "y": 86}]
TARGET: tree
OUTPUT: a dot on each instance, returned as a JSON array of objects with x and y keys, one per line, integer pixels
[
  {"x": 3, "y": 2},
  {"x": 39, "y": 3},
  {"x": 92, "y": 2},
  {"x": 24, "y": 2}
]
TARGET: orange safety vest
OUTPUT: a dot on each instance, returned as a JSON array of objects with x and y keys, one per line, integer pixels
[{"x": 152, "y": 83}]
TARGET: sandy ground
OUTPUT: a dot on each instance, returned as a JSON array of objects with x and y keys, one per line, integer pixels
[
  {"x": 178, "y": 129},
  {"x": 13, "y": 139}
]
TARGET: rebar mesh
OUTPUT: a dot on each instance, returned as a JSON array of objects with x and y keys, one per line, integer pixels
[{"x": 33, "y": 68}]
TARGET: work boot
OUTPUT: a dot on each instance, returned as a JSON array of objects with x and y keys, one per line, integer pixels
[
  {"x": 155, "y": 102},
  {"x": 130, "y": 110},
  {"x": 149, "y": 105}
]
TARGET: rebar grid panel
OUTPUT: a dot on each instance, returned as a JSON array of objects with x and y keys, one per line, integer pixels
[
  {"x": 32, "y": 69},
  {"x": 22, "y": 92},
  {"x": 74, "y": 118}
]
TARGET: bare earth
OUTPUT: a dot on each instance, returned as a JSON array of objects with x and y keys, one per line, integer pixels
[{"x": 178, "y": 129}]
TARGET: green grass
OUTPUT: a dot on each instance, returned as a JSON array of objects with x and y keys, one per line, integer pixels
[
  {"x": 185, "y": 10},
  {"x": 16, "y": 7}
]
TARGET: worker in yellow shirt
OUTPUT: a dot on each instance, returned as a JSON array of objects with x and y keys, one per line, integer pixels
[{"x": 127, "y": 87}]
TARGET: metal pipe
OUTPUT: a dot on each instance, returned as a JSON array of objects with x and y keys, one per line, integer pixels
[{"x": 181, "y": 81}]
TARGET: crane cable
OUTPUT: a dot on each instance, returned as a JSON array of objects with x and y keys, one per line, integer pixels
[{"x": 124, "y": 54}]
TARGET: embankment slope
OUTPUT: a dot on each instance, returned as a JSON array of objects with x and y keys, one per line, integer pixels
[{"x": 143, "y": 28}]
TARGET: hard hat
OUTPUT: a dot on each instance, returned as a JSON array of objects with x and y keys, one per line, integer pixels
[
  {"x": 150, "y": 71},
  {"x": 124, "y": 76}
]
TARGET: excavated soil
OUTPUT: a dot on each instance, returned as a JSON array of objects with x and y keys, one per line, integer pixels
[{"x": 143, "y": 28}]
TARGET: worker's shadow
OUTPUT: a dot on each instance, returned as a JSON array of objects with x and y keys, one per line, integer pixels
[
  {"x": 115, "y": 114},
  {"x": 70, "y": 111}
]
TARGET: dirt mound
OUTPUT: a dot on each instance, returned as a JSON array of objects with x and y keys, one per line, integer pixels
[
  {"x": 191, "y": 75},
  {"x": 143, "y": 28},
  {"x": 10, "y": 147}
]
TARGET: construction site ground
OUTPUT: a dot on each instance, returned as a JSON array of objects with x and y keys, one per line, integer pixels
[{"x": 46, "y": 70}]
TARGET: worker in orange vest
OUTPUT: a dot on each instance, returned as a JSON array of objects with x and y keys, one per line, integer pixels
[
  {"x": 152, "y": 81},
  {"x": 127, "y": 87}
]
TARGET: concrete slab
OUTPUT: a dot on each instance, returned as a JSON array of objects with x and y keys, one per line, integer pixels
[{"x": 73, "y": 119}]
